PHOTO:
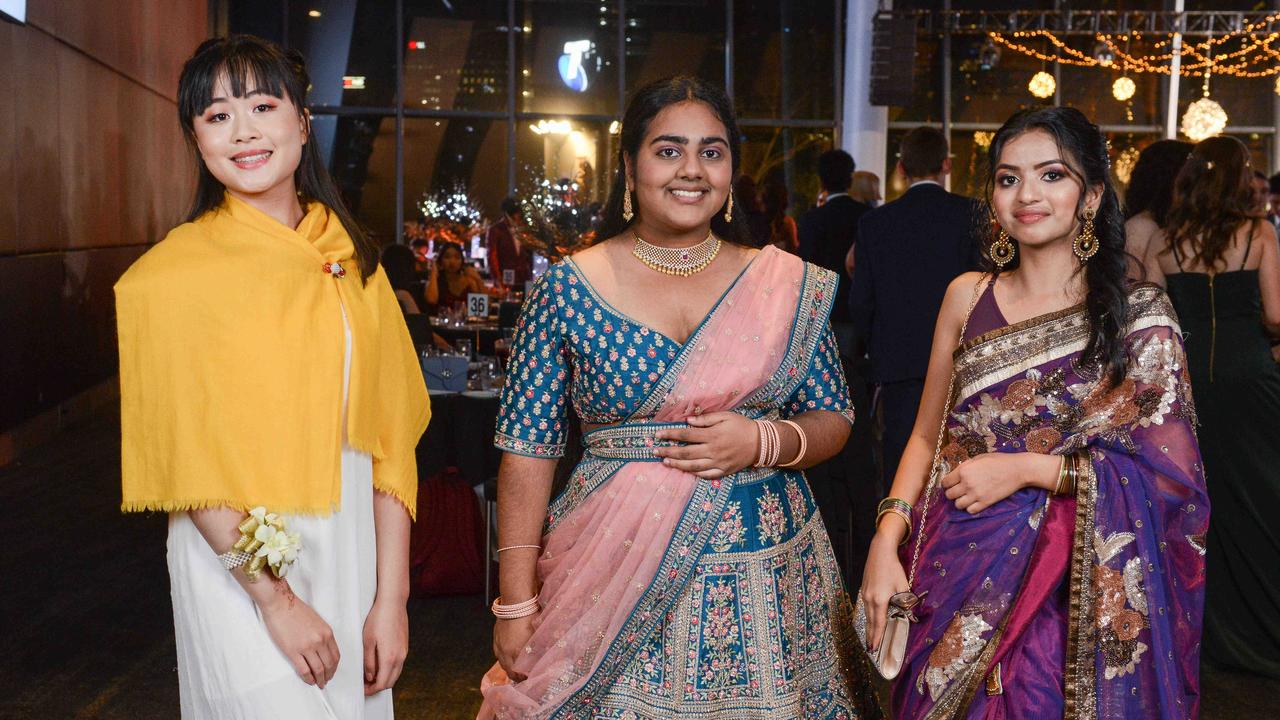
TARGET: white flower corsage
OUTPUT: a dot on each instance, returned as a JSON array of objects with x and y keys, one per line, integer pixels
[{"x": 264, "y": 536}]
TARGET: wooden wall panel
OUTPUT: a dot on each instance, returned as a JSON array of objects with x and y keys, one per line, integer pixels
[
  {"x": 8, "y": 141},
  {"x": 98, "y": 172},
  {"x": 39, "y": 195},
  {"x": 90, "y": 130}
]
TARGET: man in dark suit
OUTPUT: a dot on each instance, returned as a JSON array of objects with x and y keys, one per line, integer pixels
[
  {"x": 827, "y": 233},
  {"x": 844, "y": 487},
  {"x": 907, "y": 253}
]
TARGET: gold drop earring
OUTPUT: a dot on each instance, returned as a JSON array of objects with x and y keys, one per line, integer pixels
[
  {"x": 1086, "y": 243},
  {"x": 627, "y": 214},
  {"x": 1003, "y": 250},
  {"x": 728, "y": 209}
]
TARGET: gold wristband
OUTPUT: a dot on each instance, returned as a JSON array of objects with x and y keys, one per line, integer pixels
[
  {"x": 896, "y": 511},
  {"x": 1063, "y": 470}
]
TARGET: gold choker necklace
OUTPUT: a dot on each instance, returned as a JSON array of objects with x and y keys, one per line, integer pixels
[{"x": 677, "y": 261}]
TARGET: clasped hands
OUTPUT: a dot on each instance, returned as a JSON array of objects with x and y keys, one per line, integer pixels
[{"x": 716, "y": 445}]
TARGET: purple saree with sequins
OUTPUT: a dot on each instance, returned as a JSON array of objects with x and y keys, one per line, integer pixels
[{"x": 1078, "y": 607}]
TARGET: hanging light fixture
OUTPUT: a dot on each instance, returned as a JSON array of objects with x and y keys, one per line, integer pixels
[
  {"x": 1103, "y": 53},
  {"x": 1042, "y": 85},
  {"x": 1123, "y": 88},
  {"x": 983, "y": 138},
  {"x": 988, "y": 56},
  {"x": 1204, "y": 118},
  {"x": 1124, "y": 164}
]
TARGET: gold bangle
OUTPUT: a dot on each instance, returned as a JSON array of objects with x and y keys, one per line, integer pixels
[
  {"x": 906, "y": 519},
  {"x": 896, "y": 502},
  {"x": 1063, "y": 470}
]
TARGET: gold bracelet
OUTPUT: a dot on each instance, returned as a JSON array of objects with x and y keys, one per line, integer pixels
[
  {"x": 897, "y": 511},
  {"x": 1062, "y": 475},
  {"x": 1076, "y": 459}
]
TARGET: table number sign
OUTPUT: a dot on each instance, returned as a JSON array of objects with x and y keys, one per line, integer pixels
[{"x": 478, "y": 304}]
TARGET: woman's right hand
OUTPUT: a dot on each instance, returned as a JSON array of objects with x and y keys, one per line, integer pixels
[
  {"x": 304, "y": 638},
  {"x": 882, "y": 579},
  {"x": 509, "y": 639}
]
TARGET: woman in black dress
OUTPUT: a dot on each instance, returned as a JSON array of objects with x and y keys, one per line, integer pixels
[{"x": 1222, "y": 270}]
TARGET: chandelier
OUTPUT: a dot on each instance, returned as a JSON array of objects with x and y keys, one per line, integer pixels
[
  {"x": 1042, "y": 85},
  {"x": 1123, "y": 88},
  {"x": 1204, "y": 118}
]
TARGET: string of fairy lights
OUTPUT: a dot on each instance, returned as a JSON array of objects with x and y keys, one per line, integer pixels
[{"x": 1253, "y": 51}]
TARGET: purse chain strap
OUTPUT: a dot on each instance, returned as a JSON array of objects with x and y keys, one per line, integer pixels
[{"x": 935, "y": 468}]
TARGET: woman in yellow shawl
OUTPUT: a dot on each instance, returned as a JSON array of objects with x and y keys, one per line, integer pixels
[{"x": 264, "y": 362}]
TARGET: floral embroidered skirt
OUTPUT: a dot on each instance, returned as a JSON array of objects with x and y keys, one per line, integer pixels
[{"x": 762, "y": 631}]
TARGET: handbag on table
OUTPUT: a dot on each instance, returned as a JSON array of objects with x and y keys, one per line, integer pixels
[
  {"x": 445, "y": 372},
  {"x": 891, "y": 655}
]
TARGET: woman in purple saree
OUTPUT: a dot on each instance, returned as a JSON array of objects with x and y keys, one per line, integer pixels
[{"x": 1039, "y": 599}]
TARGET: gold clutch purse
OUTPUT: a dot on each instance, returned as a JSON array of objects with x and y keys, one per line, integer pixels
[{"x": 889, "y": 658}]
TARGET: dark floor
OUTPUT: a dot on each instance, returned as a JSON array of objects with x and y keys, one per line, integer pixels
[{"x": 87, "y": 628}]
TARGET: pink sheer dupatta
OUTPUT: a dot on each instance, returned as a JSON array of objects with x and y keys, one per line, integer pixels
[{"x": 617, "y": 557}]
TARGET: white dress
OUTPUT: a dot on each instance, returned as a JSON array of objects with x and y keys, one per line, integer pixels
[{"x": 228, "y": 667}]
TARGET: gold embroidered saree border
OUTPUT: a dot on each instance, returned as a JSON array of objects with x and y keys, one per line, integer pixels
[
  {"x": 1010, "y": 351},
  {"x": 955, "y": 702},
  {"x": 1079, "y": 684},
  {"x": 1081, "y": 642}
]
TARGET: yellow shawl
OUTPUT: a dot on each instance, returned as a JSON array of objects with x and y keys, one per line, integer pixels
[{"x": 231, "y": 355}]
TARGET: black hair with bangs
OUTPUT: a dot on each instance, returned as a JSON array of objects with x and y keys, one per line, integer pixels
[{"x": 250, "y": 63}]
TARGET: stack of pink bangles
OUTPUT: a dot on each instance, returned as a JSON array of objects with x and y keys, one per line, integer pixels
[
  {"x": 770, "y": 444},
  {"x": 517, "y": 611}
]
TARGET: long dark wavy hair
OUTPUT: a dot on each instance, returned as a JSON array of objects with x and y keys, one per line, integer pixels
[
  {"x": 1212, "y": 198},
  {"x": 1151, "y": 184},
  {"x": 249, "y": 63},
  {"x": 1083, "y": 149},
  {"x": 645, "y": 104}
]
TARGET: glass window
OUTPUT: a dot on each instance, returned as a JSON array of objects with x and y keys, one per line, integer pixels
[
  {"x": 985, "y": 91},
  {"x": 455, "y": 55},
  {"x": 360, "y": 151},
  {"x": 784, "y": 59},
  {"x": 348, "y": 46},
  {"x": 1247, "y": 101},
  {"x": 968, "y": 162},
  {"x": 926, "y": 95},
  {"x": 443, "y": 154},
  {"x": 580, "y": 152},
  {"x": 568, "y": 57},
  {"x": 1092, "y": 90},
  {"x": 666, "y": 39},
  {"x": 783, "y": 162}
]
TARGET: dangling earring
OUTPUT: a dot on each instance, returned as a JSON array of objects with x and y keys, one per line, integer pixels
[
  {"x": 1086, "y": 243},
  {"x": 626, "y": 204},
  {"x": 1002, "y": 250},
  {"x": 728, "y": 209}
]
